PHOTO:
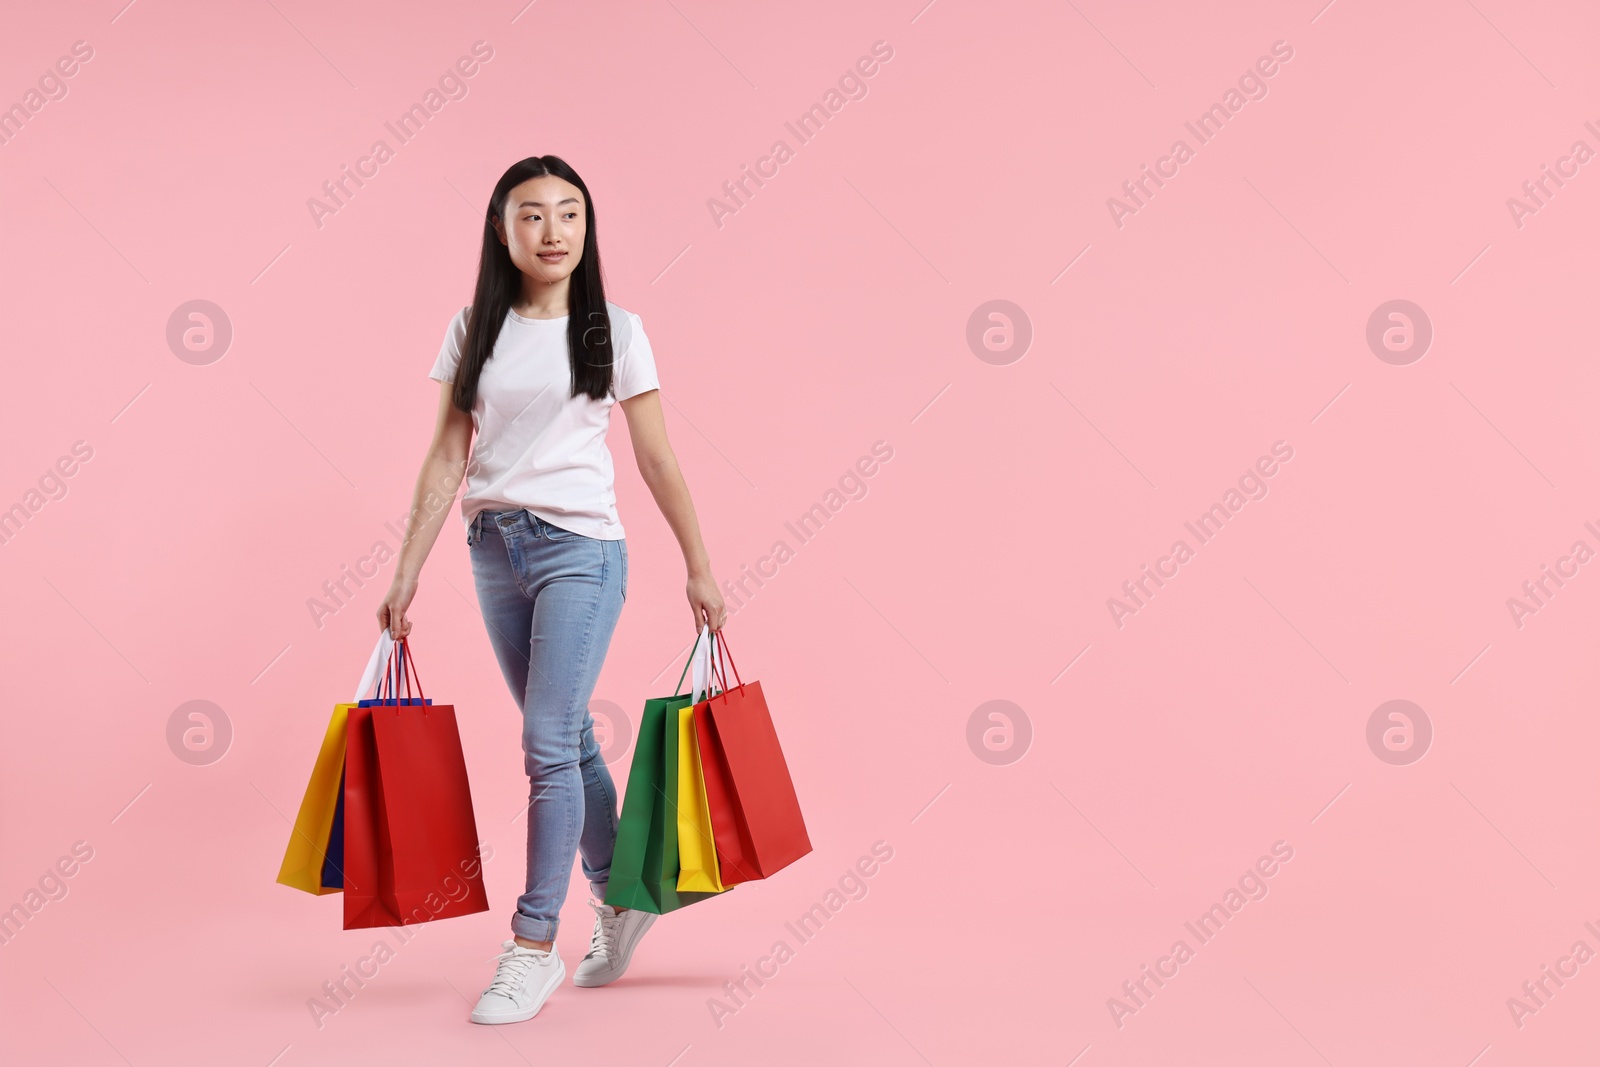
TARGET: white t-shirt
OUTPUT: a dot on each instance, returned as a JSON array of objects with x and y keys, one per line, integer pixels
[{"x": 537, "y": 447}]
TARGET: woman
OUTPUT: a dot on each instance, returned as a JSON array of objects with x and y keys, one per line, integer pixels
[{"x": 537, "y": 360}]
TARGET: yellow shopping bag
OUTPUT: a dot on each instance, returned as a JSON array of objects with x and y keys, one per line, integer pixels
[
  {"x": 308, "y": 843},
  {"x": 697, "y": 850},
  {"x": 697, "y": 847}
]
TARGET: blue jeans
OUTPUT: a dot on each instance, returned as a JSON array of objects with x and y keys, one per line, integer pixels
[{"x": 550, "y": 600}]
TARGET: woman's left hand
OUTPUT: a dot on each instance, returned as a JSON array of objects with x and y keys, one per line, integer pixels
[{"x": 705, "y": 602}]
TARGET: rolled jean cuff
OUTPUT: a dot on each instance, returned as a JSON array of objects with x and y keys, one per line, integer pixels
[
  {"x": 599, "y": 891},
  {"x": 535, "y": 929}
]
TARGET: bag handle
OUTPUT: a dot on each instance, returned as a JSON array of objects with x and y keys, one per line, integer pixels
[
  {"x": 722, "y": 643},
  {"x": 405, "y": 645},
  {"x": 719, "y": 674},
  {"x": 391, "y": 661},
  {"x": 389, "y": 684},
  {"x": 380, "y": 656},
  {"x": 677, "y": 689},
  {"x": 704, "y": 666},
  {"x": 719, "y": 655},
  {"x": 402, "y": 665}
]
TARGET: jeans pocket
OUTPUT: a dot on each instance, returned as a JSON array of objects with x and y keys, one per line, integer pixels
[{"x": 556, "y": 534}]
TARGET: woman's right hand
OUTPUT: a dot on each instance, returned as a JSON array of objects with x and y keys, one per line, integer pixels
[{"x": 392, "y": 612}]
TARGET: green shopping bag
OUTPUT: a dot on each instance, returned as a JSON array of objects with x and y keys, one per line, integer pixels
[{"x": 644, "y": 862}]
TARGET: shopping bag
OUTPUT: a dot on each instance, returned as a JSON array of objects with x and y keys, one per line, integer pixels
[
  {"x": 755, "y": 814},
  {"x": 697, "y": 851},
  {"x": 307, "y": 862},
  {"x": 333, "y": 865},
  {"x": 644, "y": 864},
  {"x": 410, "y": 837},
  {"x": 729, "y": 832},
  {"x": 727, "y": 829}
]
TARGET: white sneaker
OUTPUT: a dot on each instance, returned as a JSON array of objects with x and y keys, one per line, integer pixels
[
  {"x": 611, "y": 947},
  {"x": 523, "y": 981}
]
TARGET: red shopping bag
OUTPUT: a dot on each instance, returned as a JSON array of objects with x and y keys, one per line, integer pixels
[
  {"x": 410, "y": 839},
  {"x": 732, "y": 840},
  {"x": 755, "y": 815}
]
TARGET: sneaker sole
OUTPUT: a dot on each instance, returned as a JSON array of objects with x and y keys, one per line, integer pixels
[
  {"x": 591, "y": 981},
  {"x": 527, "y": 1013}
]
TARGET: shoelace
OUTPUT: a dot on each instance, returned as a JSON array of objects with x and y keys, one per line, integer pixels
[
  {"x": 605, "y": 934},
  {"x": 512, "y": 970}
]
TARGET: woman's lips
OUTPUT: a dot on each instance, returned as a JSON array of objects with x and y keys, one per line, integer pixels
[{"x": 552, "y": 257}]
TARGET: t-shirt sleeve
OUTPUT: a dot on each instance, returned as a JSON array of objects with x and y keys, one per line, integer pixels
[
  {"x": 455, "y": 336},
  {"x": 636, "y": 369}
]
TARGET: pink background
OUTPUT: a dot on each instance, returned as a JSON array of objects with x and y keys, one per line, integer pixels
[{"x": 831, "y": 312}]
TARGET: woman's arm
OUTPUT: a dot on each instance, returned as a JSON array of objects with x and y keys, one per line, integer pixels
[
  {"x": 659, "y": 468},
  {"x": 442, "y": 471}
]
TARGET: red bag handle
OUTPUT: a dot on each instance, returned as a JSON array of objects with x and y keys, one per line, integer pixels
[
  {"x": 397, "y": 668},
  {"x": 718, "y": 673},
  {"x": 404, "y": 643},
  {"x": 717, "y": 637}
]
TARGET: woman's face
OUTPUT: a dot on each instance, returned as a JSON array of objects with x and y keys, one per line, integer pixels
[{"x": 543, "y": 227}]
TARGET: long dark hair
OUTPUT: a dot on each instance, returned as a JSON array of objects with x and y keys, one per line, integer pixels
[{"x": 589, "y": 346}]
